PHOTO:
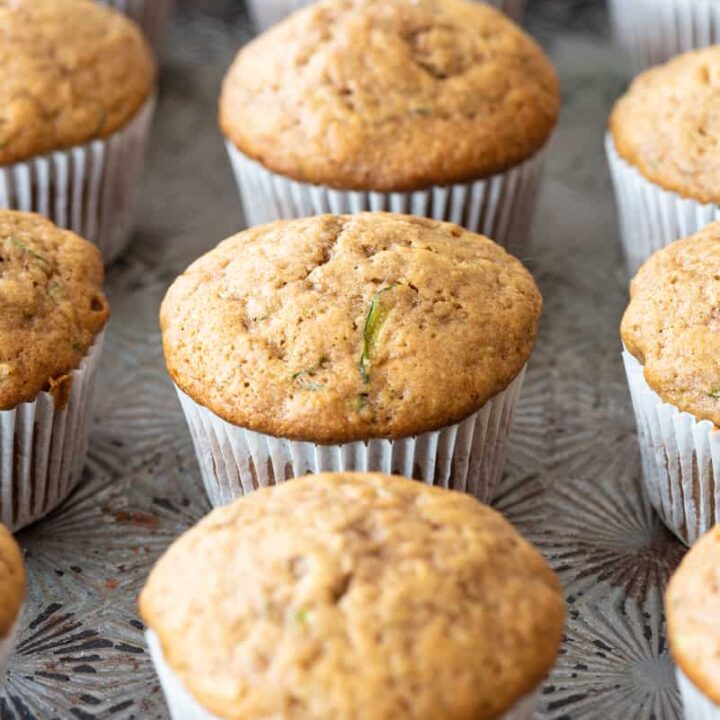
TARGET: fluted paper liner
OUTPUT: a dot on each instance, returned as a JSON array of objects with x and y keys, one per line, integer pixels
[
  {"x": 8, "y": 644},
  {"x": 89, "y": 189},
  {"x": 500, "y": 207},
  {"x": 43, "y": 449},
  {"x": 680, "y": 459},
  {"x": 696, "y": 705},
  {"x": 468, "y": 456},
  {"x": 653, "y": 31},
  {"x": 183, "y": 706},
  {"x": 151, "y": 15},
  {"x": 268, "y": 12},
  {"x": 651, "y": 217}
]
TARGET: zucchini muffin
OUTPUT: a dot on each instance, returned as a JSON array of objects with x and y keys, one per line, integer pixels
[
  {"x": 672, "y": 359},
  {"x": 76, "y": 103},
  {"x": 653, "y": 31},
  {"x": 52, "y": 314},
  {"x": 151, "y": 15},
  {"x": 12, "y": 594},
  {"x": 438, "y": 108},
  {"x": 268, "y": 12},
  {"x": 370, "y": 341},
  {"x": 693, "y": 615},
  {"x": 351, "y": 595},
  {"x": 662, "y": 148}
]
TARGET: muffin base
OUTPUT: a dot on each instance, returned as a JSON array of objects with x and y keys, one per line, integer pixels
[
  {"x": 43, "y": 449},
  {"x": 696, "y": 705},
  {"x": 89, "y": 189},
  {"x": 8, "y": 644},
  {"x": 680, "y": 459},
  {"x": 151, "y": 15},
  {"x": 500, "y": 207},
  {"x": 265, "y": 13},
  {"x": 468, "y": 457},
  {"x": 651, "y": 32},
  {"x": 183, "y": 706},
  {"x": 651, "y": 217}
]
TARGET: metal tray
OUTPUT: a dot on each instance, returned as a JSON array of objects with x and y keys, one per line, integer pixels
[{"x": 573, "y": 479}]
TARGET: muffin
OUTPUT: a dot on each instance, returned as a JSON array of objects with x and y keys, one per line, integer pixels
[
  {"x": 374, "y": 342},
  {"x": 52, "y": 316},
  {"x": 268, "y": 12},
  {"x": 439, "y": 108},
  {"x": 662, "y": 151},
  {"x": 653, "y": 31},
  {"x": 12, "y": 594},
  {"x": 348, "y": 596},
  {"x": 672, "y": 359},
  {"x": 76, "y": 104},
  {"x": 151, "y": 15},
  {"x": 692, "y": 605}
]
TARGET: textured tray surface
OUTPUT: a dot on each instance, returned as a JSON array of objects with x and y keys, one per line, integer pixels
[{"x": 573, "y": 480}]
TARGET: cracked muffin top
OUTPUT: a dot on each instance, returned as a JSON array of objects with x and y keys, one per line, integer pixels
[
  {"x": 350, "y": 595},
  {"x": 668, "y": 125},
  {"x": 71, "y": 71},
  {"x": 672, "y": 322},
  {"x": 51, "y": 307},
  {"x": 391, "y": 95},
  {"x": 693, "y": 612},
  {"x": 12, "y": 582},
  {"x": 340, "y": 328}
]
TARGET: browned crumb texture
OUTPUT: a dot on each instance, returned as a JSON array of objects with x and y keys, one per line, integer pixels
[
  {"x": 71, "y": 71},
  {"x": 391, "y": 94},
  {"x": 672, "y": 325},
  {"x": 51, "y": 306},
  {"x": 693, "y": 613},
  {"x": 356, "y": 596},
  {"x": 12, "y": 581},
  {"x": 667, "y": 125},
  {"x": 340, "y": 328}
]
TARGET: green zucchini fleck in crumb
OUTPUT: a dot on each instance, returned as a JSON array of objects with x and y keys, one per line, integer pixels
[
  {"x": 29, "y": 251},
  {"x": 304, "y": 375},
  {"x": 715, "y": 393},
  {"x": 301, "y": 615},
  {"x": 374, "y": 322}
]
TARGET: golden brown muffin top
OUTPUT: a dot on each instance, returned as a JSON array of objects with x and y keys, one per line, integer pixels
[
  {"x": 51, "y": 306},
  {"x": 391, "y": 94},
  {"x": 12, "y": 581},
  {"x": 341, "y": 328},
  {"x": 673, "y": 321},
  {"x": 667, "y": 125},
  {"x": 693, "y": 614},
  {"x": 71, "y": 71},
  {"x": 351, "y": 595}
]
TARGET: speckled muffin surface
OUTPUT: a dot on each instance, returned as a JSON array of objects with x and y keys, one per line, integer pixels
[
  {"x": 340, "y": 328},
  {"x": 391, "y": 95},
  {"x": 667, "y": 126},
  {"x": 71, "y": 71},
  {"x": 672, "y": 322},
  {"x": 12, "y": 582},
  {"x": 693, "y": 615},
  {"x": 51, "y": 306},
  {"x": 339, "y": 596}
]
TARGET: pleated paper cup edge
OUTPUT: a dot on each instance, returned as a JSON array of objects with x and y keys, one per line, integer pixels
[
  {"x": 8, "y": 644},
  {"x": 314, "y": 458},
  {"x": 153, "y": 17},
  {"x": 183, "y": 706},
  {"x": 696, "y": 704},
  {"x": 86, "y": 372}
]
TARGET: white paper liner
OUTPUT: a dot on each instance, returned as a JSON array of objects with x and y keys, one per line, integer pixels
[
  {"x": 8, "y": 643},
  {"x": 151, "y": 15},
  {"x": 652, "y": 31},
  {"x": 680, "y": 459},
  {"x": 89, "y": 189},
  {"x": 43, "y": 449},
  {"x": 696, "y": 705},
  {"x": 183, "y": 706},
  {"x": 468, "y": 456},
  {"x": 500, "y": 207},
  {"x": 650, "y": 217},
  {"x": 268, "y": 12}
]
